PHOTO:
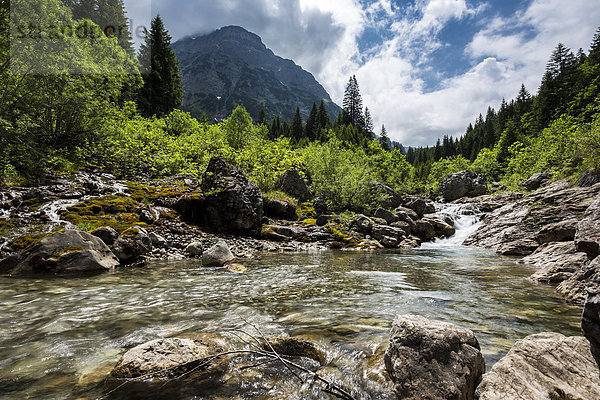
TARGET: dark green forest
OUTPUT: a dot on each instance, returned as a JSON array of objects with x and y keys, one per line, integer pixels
[{"x": 120, "y": 114}]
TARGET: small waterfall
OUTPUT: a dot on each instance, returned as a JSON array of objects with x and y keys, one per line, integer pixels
[{"x": 466, "y": 221}]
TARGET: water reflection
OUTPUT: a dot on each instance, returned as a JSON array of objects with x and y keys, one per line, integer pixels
[{"x": 57, "y": 333}]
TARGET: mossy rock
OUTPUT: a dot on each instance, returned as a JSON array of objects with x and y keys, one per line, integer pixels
[
  {"x": 308, "y": 221},
  {"x": 146, "y": 193},
  {"x": 24, "y": 242},
  {"x": 307, "y": 211},
  {"x": 35, "y": 203},
  {"x": 118, "y": 212},
  {"x": 5, "y": 227}
]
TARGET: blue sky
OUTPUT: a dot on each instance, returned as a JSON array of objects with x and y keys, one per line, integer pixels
[{"x": 426, "y": 68}]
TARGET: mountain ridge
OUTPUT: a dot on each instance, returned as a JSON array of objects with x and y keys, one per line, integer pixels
[{"x": 232, "y": 66}]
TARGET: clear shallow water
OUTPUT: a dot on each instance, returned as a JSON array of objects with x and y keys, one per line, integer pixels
[{"x": 58, "y": 335}]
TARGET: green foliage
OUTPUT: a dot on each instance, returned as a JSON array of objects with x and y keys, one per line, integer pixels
[
  {"x": 445, "y": 166},
  {"x": 162, "y": 91}
]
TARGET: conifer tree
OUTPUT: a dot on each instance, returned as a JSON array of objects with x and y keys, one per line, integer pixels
[
  {"x": 262, "y": 119},
  {"x": 352, "y": 105},
  {"x": 312, "y": 124},
  {"x": 162, "y": 91},
  {"x": 594, "y": 55},
  {"x": 384, "y": 140},
  {"x": 296, "y": 130},
  {"x": 369, "y": 128},
  {"x": 324, "y": 121}
]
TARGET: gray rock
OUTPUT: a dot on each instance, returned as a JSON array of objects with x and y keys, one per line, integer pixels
[
  {"x": 589, "y": 178},
  {"x": 320, "y": 207},
  {"x": 441, "y": 228},
  {"x": 322, "y": 219},
  {"x": 575, "y": 288},
  {"x": 425, "y": 230},
  {"x": 195, "y": 249},
  {"x": 387, "y": 215},
  {"x": 562, "y": 231},
  {"x": 107, "y": 234},
  {"x": 232, "y": 202},
  {"x": 66, "y": 252},
  {"x": 164, "y": 358},
  {"x": 537, "y": 180},
  {"x": 387, "y": 197},
  {"x": 429, "y": 359},
  {"x": 146, "y": 216},
  {"x": 133, "y": 244},
  {"x": 378, "y": 221},
  {"x": 217, "y": 256},
  {"x": 380, "y": 231},
  {"x": 419, "y": 205},
  {"x": 389, "y": 242},
  {"x": 362, "y": 223},
  {"x": 590, "y": 321},
  {"x": 292, "y": 183},
  {"x": 279, "y": 209},
  {"x": 512, "y": 228},
  {"x": 157, "y": 240},
  {"x": 406, "y": 214},
  {"x": 405, "y": 226},
  {"x": 543, "y": 366},
  {"x": 556, "y": 262},
  {"x": 587, "y": 235},
  {"x": 462, "y": 184}
]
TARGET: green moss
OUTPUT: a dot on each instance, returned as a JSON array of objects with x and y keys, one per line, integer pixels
[
  {"x": 308, "y": 221},
  {"x": 278, "y": 195},
  {"x": 5, "y": 227},
  {"x": 68, "y": 250},
  {"x": 35, "y": 203},
  {"x": 307, "y": 211},
  {"x": 24, "y": 242},
  {"x": 341, "y": 236},
  {"x": 131, "y": 232},
  {"x": 147, "y": 194},
  {"x": 118, "y": 212}
]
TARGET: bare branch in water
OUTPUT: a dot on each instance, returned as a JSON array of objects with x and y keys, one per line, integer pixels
[{"x": 256, "y": 348}]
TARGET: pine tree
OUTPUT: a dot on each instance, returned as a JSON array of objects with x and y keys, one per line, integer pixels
[
  {"x": 296, "y": 130},
  {"x": 369, "y": 128},
  {"x": 384, "y": 140},
  {"x": 162, "y": 91},
  {"x": 324, "y": 121},
  {"x": 262, "y": 119},
  {"x": 352, "y": 105},
  {"x": 312, "y": 124},
  {"x": 594, "y": 55}
]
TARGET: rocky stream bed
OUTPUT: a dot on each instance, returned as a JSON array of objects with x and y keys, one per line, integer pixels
[{"x": 87, "y": 224}]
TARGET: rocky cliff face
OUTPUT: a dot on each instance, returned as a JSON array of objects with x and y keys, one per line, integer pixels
[{"x": 232, "y": 66}]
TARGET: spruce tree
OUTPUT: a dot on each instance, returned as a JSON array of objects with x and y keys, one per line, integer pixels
[
  {"x": 384, "y": 140},
  {"x": 296, "y": 130},
  {"x": 324, "y": 121},
  {"x": 594, "y": 55},
  {"x": 162, "y": 91},
  {"x": 369, "y": 128},
  {"x": 262, "y": 119},
  {"x": 352, "y": 105},
  {"x": 312, "y": 124}
]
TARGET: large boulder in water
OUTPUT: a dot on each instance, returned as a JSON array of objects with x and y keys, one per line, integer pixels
[
  {"x": 232, "y": 202},
  {"x": 292, "y": 183},
  {"x": 164, "y": 358},
  {"x": 217, "y": 256},
  {"x": 65, "y": 252},
  {"x": 543, "y": 366},
  {"x": 430, "y": 359},
  {"x": 462, "y": 184},
  {"x": 587, "y": 235}
]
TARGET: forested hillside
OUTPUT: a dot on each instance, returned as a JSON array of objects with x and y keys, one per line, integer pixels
[{"x": 113, "y": 118}]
